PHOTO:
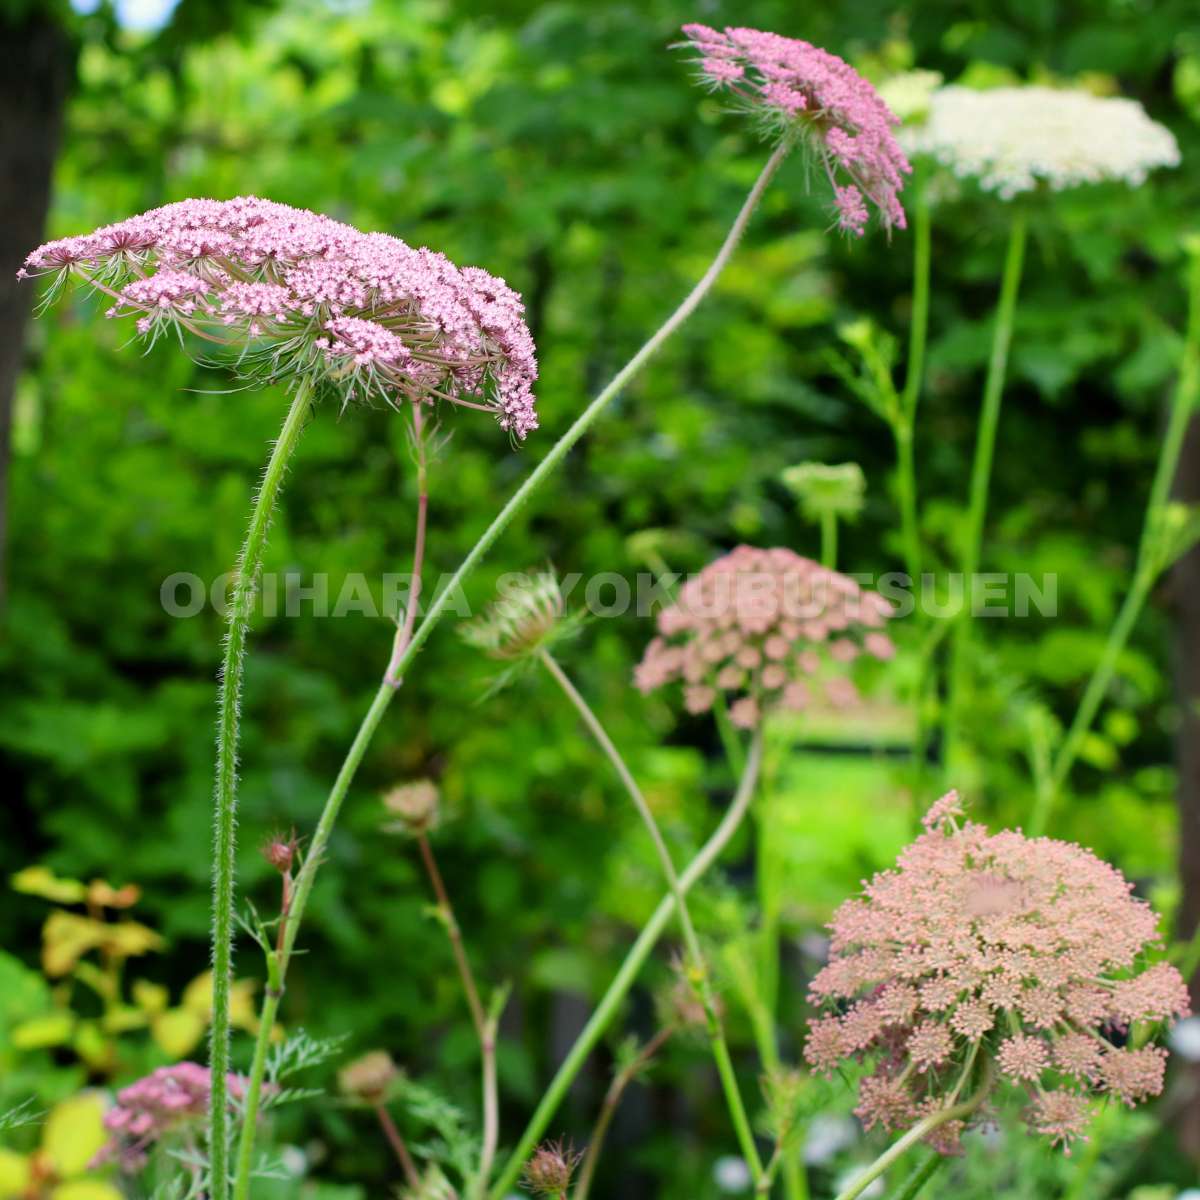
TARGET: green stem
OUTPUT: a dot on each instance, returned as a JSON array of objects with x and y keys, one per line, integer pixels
[
  {"x": 383, "y": 697},
  {"x": 606, "y": 1010},
  {"x": 1149, "y": 564},
  {"x": 981, "y": 473},
  {"x": 921, "y": 1130},
  {"x": 922, "y": 1174},
  {"x": 266, "y": 1023},
  {"x": 245, "y": 583},
  {"x": 829, "y": 532},
  {"x": 913, "y": 379},
  {"x": 699, "y": 970}
]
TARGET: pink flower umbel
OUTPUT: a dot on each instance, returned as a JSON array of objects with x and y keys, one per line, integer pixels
[
  {"x": 166, "y": 1100},
  {"x": 299, "y": 295},
  {"x": 767, "y": 628},
  {"x": 798, "y": 89},
  {"x": 1027, "y": 952}
]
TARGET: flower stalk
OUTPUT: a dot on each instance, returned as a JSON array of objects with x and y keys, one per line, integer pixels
[{"x": 249, "y": 564}]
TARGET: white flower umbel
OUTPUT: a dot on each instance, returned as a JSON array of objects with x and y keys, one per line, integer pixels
[{"x": 1010, "y": 139}]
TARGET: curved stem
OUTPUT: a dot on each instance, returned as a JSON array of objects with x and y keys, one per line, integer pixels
[
  {"x": 921, "y": 1130},
  {"x": 608, "y": 1110},
  {"x": 500, "y": 522},
  {"x": 981, "y": 474},
  {"x": 249, "y": 564},
  {"x": 411, "y": 1175},
  {"x": 1149, "y": 564},
  {"x": 607, "y": 1008},
  {"x": 922, "y": 1174},
  {"x": 699, "y": 970}
]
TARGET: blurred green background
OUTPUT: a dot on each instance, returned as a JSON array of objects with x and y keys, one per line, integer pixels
[{"x": 563, "y": 147}]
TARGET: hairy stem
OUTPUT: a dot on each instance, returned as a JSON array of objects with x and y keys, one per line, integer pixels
[
  {"x": 981, "y": 474},
  {"x": 608, "y": 1109},
  {"x": 245, "y": 583},
  {"x": 262, "y": 1042},
  {"x": 1183, "y": 406},
  {"x": 606, "y": 1010},
  {"x": 503, "y": 518},
  {"x": 404, "y": 632},
  {"x": 699, "y": 969}
]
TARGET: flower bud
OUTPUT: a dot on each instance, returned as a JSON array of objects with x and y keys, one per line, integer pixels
[
  {"x": 415, "y": 807},
  {"x": 280, "y": 851},
  {"x": 549, "y": 1171},
  {"x": 370, "y": 1078}
]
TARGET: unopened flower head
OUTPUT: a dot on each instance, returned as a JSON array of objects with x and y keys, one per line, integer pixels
[
  {"x": 299, "y": 295},
  {"x": 768, "y": 629},
  {"x": 280, "y": 851},
  {"x": 529, "y": 616},
  {"x": 822, "y": 488},
  {"x": 801, "y": 90},
  {"x": 370, "y": 1078},
  {"x": 1029, "y": 952},
  {"x": 549, "y": 1171},
  {"x": 1011, "y": 139},
  {"x": 414, "y": 807},
  {"x": 166, "y": 1100}
]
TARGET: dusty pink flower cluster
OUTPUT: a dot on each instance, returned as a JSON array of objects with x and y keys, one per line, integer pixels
[
  {"x": 362, "y": 311},
  {"x": 1027, "y": 950},
  {"x": 767, "y": 627},
  {"x": 799, "y": 86},
  {"x": 162, "y": 1102}
]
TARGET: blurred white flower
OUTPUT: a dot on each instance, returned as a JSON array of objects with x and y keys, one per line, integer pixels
[
  {"x": 910, "y": 93},
  {"x": 1011, "y": 139},
  {"x": 1184, "y": 1040},
  {"x": 731, "y": 1174},
  {"x": 828, "y": 1136}
]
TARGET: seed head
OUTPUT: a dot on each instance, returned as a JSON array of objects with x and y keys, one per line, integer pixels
[
  {"x": 549, "y": 1171},
  {"x": 369, "y": 1079},
  {"x": 415, "y": 807},
  {"x": 280, "y": 851}
]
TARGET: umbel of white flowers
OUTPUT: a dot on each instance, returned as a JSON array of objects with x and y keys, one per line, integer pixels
[{"x": 1011, "y": 139}]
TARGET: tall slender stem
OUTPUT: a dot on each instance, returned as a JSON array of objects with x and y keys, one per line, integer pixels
[
  {"x": 716, "y": 1034},
  {"x": 608, "y": 1109},
  {"x": 404, "y": 632},
  {"x": 913, "y": 378},
  {"x": 548, "y": 465},
  {"x": 1183, "y": 407},
  {"x": 829, "y": 539},
  {"x": 266, "y": 1024},
  {"x": 981, "y": 474},
  {"x": 411, "y": 1175},
  {"x": 245, "y": 584},
  {"x": 606, "y": 1010},
  {"x": 485, "y": 1024}
]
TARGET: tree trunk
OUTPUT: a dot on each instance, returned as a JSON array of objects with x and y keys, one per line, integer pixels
[{"x": 37, "y": 69}]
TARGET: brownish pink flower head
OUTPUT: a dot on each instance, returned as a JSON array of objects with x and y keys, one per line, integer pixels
[
  {"x": 300, "y": 295},
  {"x": 1025, "y": 951},
  {"x": 767, "y": 628}
]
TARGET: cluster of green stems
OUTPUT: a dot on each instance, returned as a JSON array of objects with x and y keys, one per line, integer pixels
[{"x": 411, "y": 635}]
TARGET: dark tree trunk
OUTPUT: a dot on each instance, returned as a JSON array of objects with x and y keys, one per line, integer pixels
[
  {"x": 37, "y": 68},
  {"x": 1185, "y": 590}
]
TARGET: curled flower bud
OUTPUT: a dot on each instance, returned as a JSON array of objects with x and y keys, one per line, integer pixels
[
  {"x": 799, "y": 90},
  {"x": 549, "y": 1171},
  {"x": 1027, "y": 952},
  {"x": 415, "y": 807},
  {"x": 369, "y": 1079},
  {"x": 529, "y": 616},
  {"x": 769, "y": 629}
]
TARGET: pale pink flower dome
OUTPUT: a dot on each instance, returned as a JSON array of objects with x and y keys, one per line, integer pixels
[
  {"x": 165, "y": 1100},
  {"x": 302, "y": 295},
  {"x": 1028, "y": 951},
  {"x": 767, "y": 628},
  {"x": 799, "y": 88}
]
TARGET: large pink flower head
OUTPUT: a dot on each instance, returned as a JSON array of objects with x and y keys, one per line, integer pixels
[
  {"x": 165, "y": 1100},
  {"x": 767, "y": 628},
  {"x": 300, "y": 295},
  {"x": 1029, "y": 952},
  {"x": 800, "y": 89}
]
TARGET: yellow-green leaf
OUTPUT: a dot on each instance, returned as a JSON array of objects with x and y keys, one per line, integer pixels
[
  {"x": 66, "y": 938},
  {"x": 74, "y": 1132},
  {"x": 128, "y": 938},
  {"x": 86, "y": 1189},
  {"x": 177, "y": 1031},
  {"x": 14, "y": 1174},
  {"x": 54, "y": 1029},
  {"x": 150, "y": 997},
  {"x": 41, "y": 881}
]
